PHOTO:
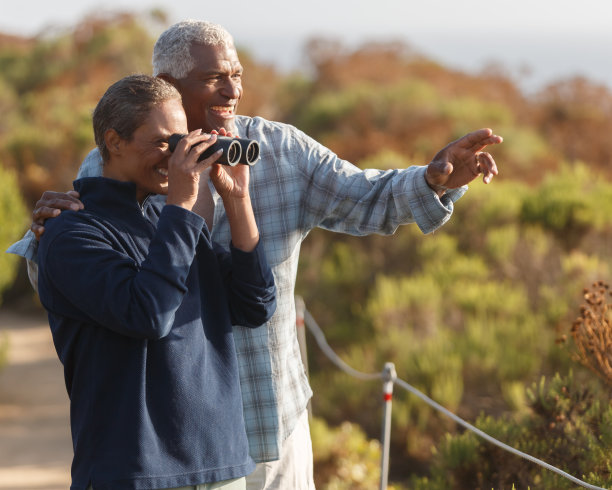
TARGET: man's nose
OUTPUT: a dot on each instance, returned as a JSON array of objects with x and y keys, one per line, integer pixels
[{"x": 232, "y": 88}]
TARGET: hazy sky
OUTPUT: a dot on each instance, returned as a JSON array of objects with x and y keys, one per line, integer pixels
[{"x": 535, "y": 40}]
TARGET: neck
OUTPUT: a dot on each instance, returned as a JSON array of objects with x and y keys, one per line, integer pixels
[{"x": 107, "y": 171}]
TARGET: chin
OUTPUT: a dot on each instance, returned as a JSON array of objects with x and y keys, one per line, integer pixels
[{"x": 227, "y": 123}]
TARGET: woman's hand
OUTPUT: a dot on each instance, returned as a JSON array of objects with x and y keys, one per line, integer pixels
[{"x": 184, "y": 169}]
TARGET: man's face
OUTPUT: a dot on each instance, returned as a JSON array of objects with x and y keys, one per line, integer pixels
[
  {"x": 144, "y": 159},
  {"x": 212, "y": 90}
]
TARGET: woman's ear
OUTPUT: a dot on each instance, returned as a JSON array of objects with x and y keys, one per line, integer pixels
[
  {"x": 168, "y": 78},
  {"x": 113, "y": 142}
]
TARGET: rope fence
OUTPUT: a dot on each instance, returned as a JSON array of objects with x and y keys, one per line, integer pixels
[{"x": 389, "y": 379}]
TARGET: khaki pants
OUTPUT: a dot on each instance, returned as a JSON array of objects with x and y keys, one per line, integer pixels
[
  {"x": 236, "y": 484},
  {"x": 294, "y": 468}
]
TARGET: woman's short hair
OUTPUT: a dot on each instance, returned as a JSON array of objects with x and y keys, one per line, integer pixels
[
  {"x": 171, "y": 53},
  {"x": 126, "y": 104}
]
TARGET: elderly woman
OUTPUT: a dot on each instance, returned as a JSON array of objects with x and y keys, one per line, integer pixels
[{"x": 141, "y": 303}]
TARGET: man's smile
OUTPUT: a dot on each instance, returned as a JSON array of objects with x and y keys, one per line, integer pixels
[{"x": 223, "y": 110}]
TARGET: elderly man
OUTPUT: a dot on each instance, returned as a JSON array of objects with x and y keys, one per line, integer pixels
[{"x": 298, "y": 185}]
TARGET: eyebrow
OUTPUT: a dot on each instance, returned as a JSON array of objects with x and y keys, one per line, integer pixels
[{"x": 223, "y": 70}]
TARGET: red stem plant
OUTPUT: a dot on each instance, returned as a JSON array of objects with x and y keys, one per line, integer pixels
[{"x": 592, "y": 331}]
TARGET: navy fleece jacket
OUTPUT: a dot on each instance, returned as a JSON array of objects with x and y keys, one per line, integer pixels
[{"x": 141, "y": 305}]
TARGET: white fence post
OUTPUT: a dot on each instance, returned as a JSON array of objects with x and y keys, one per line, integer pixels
[{"x": 389, "y": 376}]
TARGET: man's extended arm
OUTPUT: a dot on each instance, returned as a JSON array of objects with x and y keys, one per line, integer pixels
[{"x": 340, "y": 197}]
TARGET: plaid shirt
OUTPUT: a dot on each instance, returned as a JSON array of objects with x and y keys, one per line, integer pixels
[{"x": 296, "y": 186}]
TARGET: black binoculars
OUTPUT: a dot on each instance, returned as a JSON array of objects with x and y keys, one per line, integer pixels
[{"x": 235, "y": 150}]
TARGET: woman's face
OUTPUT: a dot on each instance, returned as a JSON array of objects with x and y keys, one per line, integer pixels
[{"x": 144, "y": 159}]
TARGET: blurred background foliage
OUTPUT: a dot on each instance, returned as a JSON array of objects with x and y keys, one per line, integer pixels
[{"x": 469, "y": 315}]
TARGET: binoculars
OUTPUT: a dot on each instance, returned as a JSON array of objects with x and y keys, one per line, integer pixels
[{"x": 235, "y": 150}]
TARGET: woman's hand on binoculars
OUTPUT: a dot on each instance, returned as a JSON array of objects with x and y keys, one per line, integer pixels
[{"x": 184, "y": 169}]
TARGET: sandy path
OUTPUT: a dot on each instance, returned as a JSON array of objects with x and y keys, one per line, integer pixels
[{"x": 35, "y": 446}]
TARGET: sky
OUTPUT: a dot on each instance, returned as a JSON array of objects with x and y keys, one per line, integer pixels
[{"x": 535, "y": 41}]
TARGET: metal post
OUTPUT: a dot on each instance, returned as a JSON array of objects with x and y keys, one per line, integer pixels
[{"x": 389, "y": 376}]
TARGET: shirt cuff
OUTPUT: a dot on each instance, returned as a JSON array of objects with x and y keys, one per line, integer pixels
[
  {"x": 429, "y": 210},
  {"x": 27, "y": 247},
  {"x": 251, "y": 264}
]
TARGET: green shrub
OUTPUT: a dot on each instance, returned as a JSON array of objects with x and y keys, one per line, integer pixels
[
  {"x": 570, "y": 204},
  {"x": 501, "y": 243},
  {"x": 468, "y": 112},
  {"x": 406, "y": 302},
  {"x": 13, "y": 222},
  {"x": 405, "y": 100},
  {"x": 568, "y": 427},
  {"x": 484, "y": 208},
  {"x": 344, "y": 457},
  {"x": 524, "y": 148},
  {"x": 484, "y": 347}
]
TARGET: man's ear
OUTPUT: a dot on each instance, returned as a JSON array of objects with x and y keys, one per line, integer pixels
[{"x": 113, "y": 142}]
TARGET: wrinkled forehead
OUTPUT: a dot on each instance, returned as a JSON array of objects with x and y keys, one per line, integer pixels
[{"x": 214, "y": 58}]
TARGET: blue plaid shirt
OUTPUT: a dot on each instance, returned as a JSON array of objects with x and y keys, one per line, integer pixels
[{"x": 296, "y": 186}]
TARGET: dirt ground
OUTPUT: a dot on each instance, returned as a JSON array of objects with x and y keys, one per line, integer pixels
[{"x": 35, "y": 445}]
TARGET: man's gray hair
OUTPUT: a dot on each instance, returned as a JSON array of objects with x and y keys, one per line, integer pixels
[
  {"x": 171, "y": 53},
  {"x": 126, "y": 105}
]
